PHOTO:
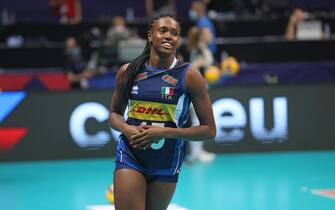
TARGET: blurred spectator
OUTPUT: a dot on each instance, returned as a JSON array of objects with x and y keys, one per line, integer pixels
[
  {"x": 200, "y": 55},
  {"x": 303, "y": 25},
  {"x": 69, "y": 11},
  {"x": 91, "y": 40},
  {"x": 155, "y": 8},
  {"x": 198, "y": 14},
  {"x": 200, "y": 58},
  {"x": 75, "y": 66},
  {"x": 117, "y": 31},
  {"x": 297, "y": 16}
]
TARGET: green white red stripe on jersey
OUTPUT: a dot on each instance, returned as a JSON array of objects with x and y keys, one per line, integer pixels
[{"x": 167, "y": 91}]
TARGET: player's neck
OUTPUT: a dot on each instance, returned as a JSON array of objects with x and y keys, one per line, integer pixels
[{"x": 162, "y": 63}]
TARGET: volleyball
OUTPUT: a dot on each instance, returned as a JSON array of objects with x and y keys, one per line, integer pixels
[
  {"x": 230, "y": 66},
  {"x": 110, "y": 194},
  {"x": 212, "y": 74}
]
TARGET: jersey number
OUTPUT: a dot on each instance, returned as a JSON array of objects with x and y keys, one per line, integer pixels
[{"x": 159, "y": 144}]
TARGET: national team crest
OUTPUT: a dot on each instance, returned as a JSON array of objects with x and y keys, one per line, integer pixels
[
  {"x": 167, "y": 92},
  {"x": 169, "y": 79}
]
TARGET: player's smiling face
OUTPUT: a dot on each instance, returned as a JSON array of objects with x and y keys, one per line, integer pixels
[{"x": 164, "y": 35}]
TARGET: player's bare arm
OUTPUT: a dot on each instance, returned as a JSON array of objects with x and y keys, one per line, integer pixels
[{"x": 118, "y": 106}]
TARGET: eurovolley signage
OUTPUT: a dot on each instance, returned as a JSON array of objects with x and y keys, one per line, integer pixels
[
  {"x": 248, "y": 119},
  {"x": 77, "y": 122},
  {"x": 231, "y": 120},
  {"x": 230, "y": 116},
  {"x": 79, "y": 134}
]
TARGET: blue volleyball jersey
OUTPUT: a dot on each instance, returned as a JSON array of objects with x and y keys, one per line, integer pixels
[{"x": 158, "y": 97}]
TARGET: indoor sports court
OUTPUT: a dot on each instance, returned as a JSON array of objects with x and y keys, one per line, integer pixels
[
  {"x": 268, "y": 67},
  {"x": 279, "y": 181}
]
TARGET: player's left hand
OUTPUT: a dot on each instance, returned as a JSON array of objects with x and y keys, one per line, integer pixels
[{"x": 147, "y": 136}]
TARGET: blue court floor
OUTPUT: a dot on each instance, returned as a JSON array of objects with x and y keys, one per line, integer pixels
[{"x": 250, "y": 181}]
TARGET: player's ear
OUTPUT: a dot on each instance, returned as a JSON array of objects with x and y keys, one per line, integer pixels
[
  {"x": 149, "y": 37},
  {"x": 179, "y": 42}
]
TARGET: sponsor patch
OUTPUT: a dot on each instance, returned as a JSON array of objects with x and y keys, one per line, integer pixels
[
  {"x": 169, "y": 79},
  {"x": 141, "y": 76},
  {"x": 151, "y": 111}
]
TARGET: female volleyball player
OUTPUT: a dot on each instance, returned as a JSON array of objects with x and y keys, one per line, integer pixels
[{"x": 157, "y": 90}]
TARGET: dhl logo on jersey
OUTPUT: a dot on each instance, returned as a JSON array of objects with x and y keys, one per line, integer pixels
[{"x": 154, "y": 111}]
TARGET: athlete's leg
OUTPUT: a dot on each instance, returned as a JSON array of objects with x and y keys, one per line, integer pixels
[
  {"x": 130, "y": 189},
  {"x": 159, "y": 195}
]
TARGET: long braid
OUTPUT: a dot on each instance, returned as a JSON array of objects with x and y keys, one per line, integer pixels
[{"x": 136, "y": 65}]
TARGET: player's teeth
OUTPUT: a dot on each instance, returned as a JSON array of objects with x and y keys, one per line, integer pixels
[{"x": 167, "y": 44}]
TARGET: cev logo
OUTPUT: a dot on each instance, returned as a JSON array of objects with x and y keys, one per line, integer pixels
[
  {"x": 99, "y": 112},
  {"x": 231, "y": 119},
  {"x": 9, "y": 137},
  {"x": 229, "y": 114}
]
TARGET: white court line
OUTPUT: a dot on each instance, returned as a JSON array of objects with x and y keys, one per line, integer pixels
[
  {"x": 322, "y": 193},
  {"x": 111, "y": 207}
]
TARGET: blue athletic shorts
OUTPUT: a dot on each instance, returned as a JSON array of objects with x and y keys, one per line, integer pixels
[
  {"x": 149, "y": 178},
  {"x": 125, "y": 158}
]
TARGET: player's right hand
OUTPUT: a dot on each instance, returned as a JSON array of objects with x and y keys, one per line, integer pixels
[{"x": 131, "y": 130}]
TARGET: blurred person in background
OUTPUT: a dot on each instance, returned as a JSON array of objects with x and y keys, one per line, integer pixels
[
  {"x": 296, "y": 17},
  {"x": 158, "y": 7},
  {"x": 201, "y": 58},
  {"x": 117, "y": 36},
  {"x": 303, "y": 25},
  {"x": 69, "y": 11},
  {"x": 92, "y": 41},
  {"x": 117, "y": 31},
  {"x": 75, "y": 66},
  {"x": 198, "y": 14}
]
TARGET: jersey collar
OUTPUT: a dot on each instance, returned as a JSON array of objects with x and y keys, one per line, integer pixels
[{"x": 156, "y": 70}]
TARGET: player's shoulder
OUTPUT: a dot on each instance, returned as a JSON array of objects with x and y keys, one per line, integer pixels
[
  {"x": 122, "y": 70},
  {"x": 194, "y": 80},
  {"x": 193, "y": 74}
]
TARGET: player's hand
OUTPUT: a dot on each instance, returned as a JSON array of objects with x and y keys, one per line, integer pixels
[
  {"x": 147, "y": 136},
  {"x": 131, "y": 130},
  {"x": 297, "y": 16}
]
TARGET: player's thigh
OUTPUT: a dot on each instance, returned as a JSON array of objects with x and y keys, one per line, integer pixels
[
  {"x": 159, "y": 195},
  {"x": 129, "y": 190}
]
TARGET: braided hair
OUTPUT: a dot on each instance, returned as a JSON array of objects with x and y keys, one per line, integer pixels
[{"x": 135, "y": 65}]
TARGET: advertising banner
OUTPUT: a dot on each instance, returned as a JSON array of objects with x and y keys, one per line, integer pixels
[
  {"x": 271, "y": 118},
  {"x": 55, "y": 125},
  {"x": 65, "y": 125}
]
